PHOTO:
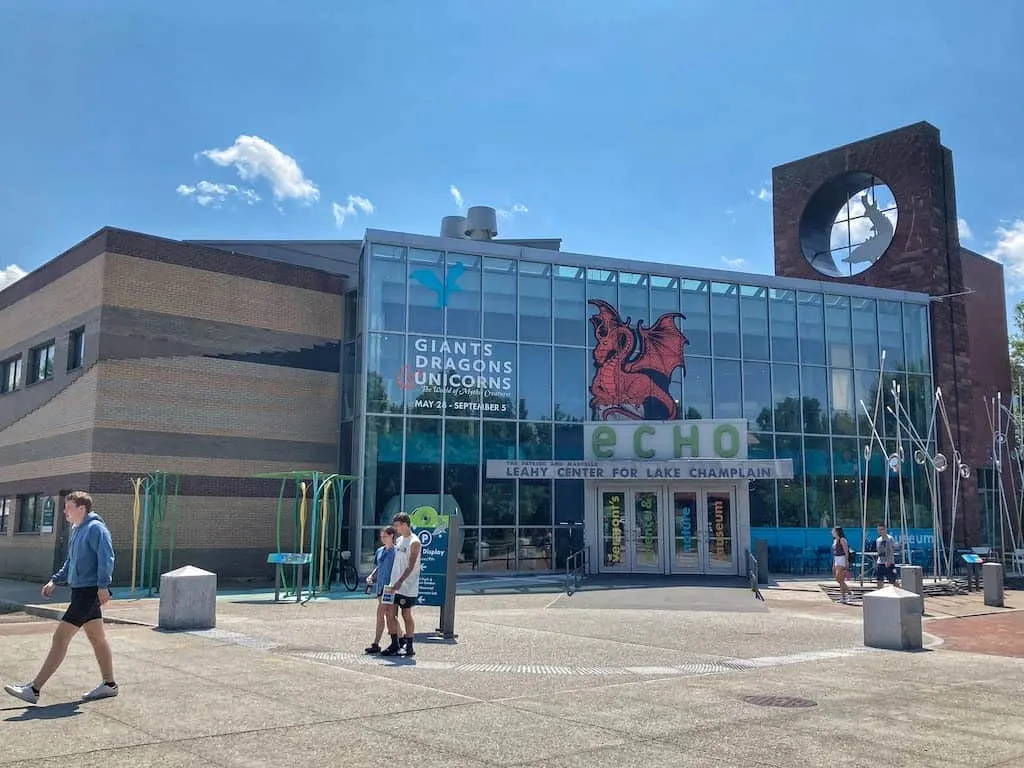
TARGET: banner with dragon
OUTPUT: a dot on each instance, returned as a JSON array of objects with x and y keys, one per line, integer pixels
[{"x": 633, "y": 366}]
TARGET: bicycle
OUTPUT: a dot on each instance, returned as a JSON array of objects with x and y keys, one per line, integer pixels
[{"x": 341, "y": 568}]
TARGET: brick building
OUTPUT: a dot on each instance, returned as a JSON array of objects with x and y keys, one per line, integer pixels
[
  {"x": 433, "y": 367},
  {"x": 129, "y": 354}
]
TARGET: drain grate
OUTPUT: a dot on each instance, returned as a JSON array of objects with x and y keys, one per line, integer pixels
[{"x": 786, "y": 702}]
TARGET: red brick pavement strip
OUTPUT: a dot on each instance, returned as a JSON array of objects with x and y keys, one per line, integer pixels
[{"x": 1000, "y": 634}]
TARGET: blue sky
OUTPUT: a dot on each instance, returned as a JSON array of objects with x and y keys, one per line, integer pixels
[{"x": 645, "y": 129}]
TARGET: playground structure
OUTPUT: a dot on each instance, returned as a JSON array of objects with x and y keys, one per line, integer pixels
[
  {"x": 1006, "y": 454},
  {"x": 318, "y": 531},
  {"x": 154, "y": 522}
]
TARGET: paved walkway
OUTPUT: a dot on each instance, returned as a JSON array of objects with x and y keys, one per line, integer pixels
[{"x": 531, "y": 680}]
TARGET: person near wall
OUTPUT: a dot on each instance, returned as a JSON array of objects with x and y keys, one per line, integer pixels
[{"x": 88, "y": 570}]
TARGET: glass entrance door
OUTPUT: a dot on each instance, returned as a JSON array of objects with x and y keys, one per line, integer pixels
[
  {"x": 702, "y": 524},
  {"x": 630, "y": 530},
  {"x": 720, "y": 513}
]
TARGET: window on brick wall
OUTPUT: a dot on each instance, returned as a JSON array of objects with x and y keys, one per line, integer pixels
[
  {"x": 6, "y": 507},
  {"x": 40, "y": 362},
  {"x": 30, "y": 513},
  {"x": 76, "y": 348},
  {"x": 10, "y": 374}
]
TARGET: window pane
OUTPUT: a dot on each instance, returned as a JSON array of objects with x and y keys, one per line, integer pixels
[
  {"x": 786, "y": 387},
  {"x": 697, "y": 325},
  {"x": 568, "y": 442},
  {"x": 838, "y": 331},
  {"x": 499, "y": 281},
  {"x": 422, "y": 456},
  {"x": 424, "y": 375},
  {"x": 535, "y": 502},
  {"x": 814, "y": 388},
  {"x": 534, "y": 382},
  {"x": 602, "y": 284},
  {"x": 463, "y": 292},
  {"x": 664, "y": 295},
  {"x": 570, "y": 384},
  {"x": 915, "y": 325},
  {"x": 535, "y": 441},
  {"x": 762, "y": 492},
  {"x": 535, "y": 549},
  {"x": 865, "y": 389},
  {"x": 844, "y": 408},
  {"x": 634, "y": 301},
  {"x": 818, "y": 479},
  {"x": 865, "y": 333},
  {"x": 791, "y": 492},
  {"x": 382, "y": 473},
  {"x": 725, "y": 320},
  {"x": 350, "y": 374},
  {"x": 757, "y": 393},
  {"x": 462, "y": 466},
  {"x": 534, "y": 302},
  {"x": 385, "y": 294},
  {"x": 427, "y": 291},
  {"x": 846, "y": 464},
  {"x": 920, "y": 402},
  {"x": 570, "y": 289},
  {"x": 386, "y": 376},
  {"x": 498, "y": 499},
  {"x": 754, "y": 322},
  {"x": 569, "y": 504},
  {"x": 782, "y": 311},
  {"x": 500, "y": 395},
  {"x": 497, "y": 549},
  {"x": 697, "y": 388},
  {"x": 812, "y": 327},
  {"x": 728, "y": 392},
  {"x": 890, "y": 333}
]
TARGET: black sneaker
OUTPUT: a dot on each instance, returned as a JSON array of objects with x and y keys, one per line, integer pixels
[
  {"x": 391, "y": 650},
  {"x": 409, "y": 651},
  {"x": 372, "y": 649}
]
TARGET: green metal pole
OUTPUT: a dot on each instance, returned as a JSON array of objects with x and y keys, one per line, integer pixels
[{"x": 174, "y": 523}]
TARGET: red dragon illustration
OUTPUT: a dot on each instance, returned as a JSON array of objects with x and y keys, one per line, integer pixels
[{"x": 634, "y": 366}]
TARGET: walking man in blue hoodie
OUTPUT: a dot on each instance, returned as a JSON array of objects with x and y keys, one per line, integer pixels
[{"x": 88, "y": 570}]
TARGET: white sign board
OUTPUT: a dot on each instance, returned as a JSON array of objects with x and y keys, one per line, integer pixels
[{"x": 626, "y": 469}]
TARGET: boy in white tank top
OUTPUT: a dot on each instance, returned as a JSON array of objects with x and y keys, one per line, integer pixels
[{"x": 405, "y": 584}]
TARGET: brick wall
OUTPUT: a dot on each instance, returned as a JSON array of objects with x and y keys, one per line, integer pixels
[{"x": 924, "y": 256}]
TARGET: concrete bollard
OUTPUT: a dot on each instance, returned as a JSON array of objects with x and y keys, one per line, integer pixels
[
  {"x": 912, "y": 580},
  {"x": 761, "y": 553},
  {"x": 992, "y": 578},
  {"x": 892, "y": 619},
  {"x": 188, "y": 599}
]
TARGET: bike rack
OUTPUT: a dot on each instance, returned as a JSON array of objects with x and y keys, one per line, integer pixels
[{"x": 577, "y": 566}]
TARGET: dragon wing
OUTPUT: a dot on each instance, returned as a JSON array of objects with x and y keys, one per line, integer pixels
[{"x": 661, "y": 349}]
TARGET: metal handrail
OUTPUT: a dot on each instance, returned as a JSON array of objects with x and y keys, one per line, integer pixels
[
  {"x": 752, "y": 572},
  {"x": 577, "y": 566}
]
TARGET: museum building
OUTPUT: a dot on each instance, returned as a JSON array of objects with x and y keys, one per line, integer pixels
[{"x": 662, "y": 415}]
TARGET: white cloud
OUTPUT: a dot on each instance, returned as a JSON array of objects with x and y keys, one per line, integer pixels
[
  {"x": 509, "y": 213},
  {"x": 763, "y": 194},
  {"x": 10, "y": 275},
  {"x": 1009, "y": 251},
  {"x": 965, "y": 229},
  {"x": 456, "y": 195},
  {"x": 355, "y": 204},
  {"x": 254, "y": 158},
  {"x": 206, "y": 193},
  {"x": 733, "y": 263}
]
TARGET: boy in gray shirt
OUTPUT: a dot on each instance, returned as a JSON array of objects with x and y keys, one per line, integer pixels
[{"x": 885, "y": 567}]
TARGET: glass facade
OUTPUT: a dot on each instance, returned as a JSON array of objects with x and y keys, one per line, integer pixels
[{"x": 470, "y": 357}]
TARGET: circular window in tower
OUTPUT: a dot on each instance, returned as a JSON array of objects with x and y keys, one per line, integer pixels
[{"x": 848, "y": 224}]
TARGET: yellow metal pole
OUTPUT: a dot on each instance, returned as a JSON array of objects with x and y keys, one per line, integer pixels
[
  {"x": 136, "y": 513},
  {"x": 323, "y": 528}
]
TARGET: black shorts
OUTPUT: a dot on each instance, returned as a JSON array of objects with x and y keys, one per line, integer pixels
[
  {"x": 85, "y": 606},
  {"x": 883, "y": 571},
  {"x": 404, "y": 601}
]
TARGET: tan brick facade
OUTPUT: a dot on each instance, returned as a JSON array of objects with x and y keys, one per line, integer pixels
[{"x": 213, "y": 365}]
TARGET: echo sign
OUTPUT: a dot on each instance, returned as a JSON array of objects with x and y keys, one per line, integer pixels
[{"x": 664, "y": 440}]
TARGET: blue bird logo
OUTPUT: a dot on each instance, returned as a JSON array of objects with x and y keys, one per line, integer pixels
[{"x": 430, "y": 281}]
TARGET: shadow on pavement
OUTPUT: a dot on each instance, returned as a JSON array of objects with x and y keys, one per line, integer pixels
[{"x": 49, "y": 712}]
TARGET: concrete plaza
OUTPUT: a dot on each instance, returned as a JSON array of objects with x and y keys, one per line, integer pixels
[{"x": 641, "y": 675}]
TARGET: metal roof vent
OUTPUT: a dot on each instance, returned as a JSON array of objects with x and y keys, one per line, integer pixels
[
  {"x": 481, "y": 223},
  {"x": 454, "y": 226}
]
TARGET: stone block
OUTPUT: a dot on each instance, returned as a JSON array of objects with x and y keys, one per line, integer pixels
[
  {"x": 912, "y": 580},
  {"x": 992, "y": 579},
  {"x": 188, "y": 599},
  {"x": 893, "y": 619}
]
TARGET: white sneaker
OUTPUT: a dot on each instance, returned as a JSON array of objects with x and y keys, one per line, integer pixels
[
  {"x": 101, "y": 691},
  {"x": 23, "y": 692}
]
